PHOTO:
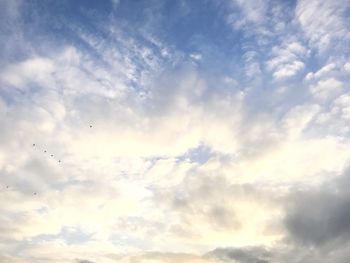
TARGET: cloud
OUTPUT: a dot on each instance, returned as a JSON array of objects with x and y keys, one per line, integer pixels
[
  {"x": 287, "y": 60},
  {"x": 241, "y": 255},
  {"x": 252, "y": 12},
  {"x": 343, "y": 104},
  {"x": 252, "y": 64},
  {"x": 236, "y": 255},
  {"x": 321, "y": 73},
  {"x": 115, "y": 3},
  {"x": 33, "y": 70},
  {"x": 203, "y": 211},
  {"x": 84, "y": 261},
  {"x": 318, "y": 217},
  {"x": 347, "y": 67},
  {"x": 196, "y": 56},
  {"x": 324, "y": 22},
  {"x": 148, "y": 150},
  {"x": 288, "y": 70},
  {"x": 167, "y": 258},
  {"x": 325, "y": 88}
]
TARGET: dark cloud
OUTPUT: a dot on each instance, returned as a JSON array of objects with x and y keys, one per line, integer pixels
[
  {"x": 317, "y": 217},
  {"x": 242, "y": 255},
  {"x": 84, "y": 261}
]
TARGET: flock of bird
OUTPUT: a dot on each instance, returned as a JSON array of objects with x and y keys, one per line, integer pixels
[{"x": 45, "y": 151}]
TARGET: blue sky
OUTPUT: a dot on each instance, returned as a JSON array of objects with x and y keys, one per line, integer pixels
[{"x": 174, "y": 131}]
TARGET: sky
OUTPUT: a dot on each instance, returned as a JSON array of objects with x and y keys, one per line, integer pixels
[{"x": 161, "y": 131}]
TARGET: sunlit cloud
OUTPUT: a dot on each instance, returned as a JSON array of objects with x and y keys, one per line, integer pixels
[{"x": 161, "y": 131}]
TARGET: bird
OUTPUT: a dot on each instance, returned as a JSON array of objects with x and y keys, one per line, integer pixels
[
  {"x": 34, "y": 194},
  {"x": 33, "y": 144},
  {"x": 51, "y": 155},
  {"x": 90, "y": 126},
  {"x": 45, "y": 151},
  {"x": 59, "y": 161}
]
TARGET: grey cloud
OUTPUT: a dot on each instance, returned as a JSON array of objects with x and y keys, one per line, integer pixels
[
  {"x": 210, "y": 201},
  {"x": 242, "y": 255},
  {"x": 321, "y": 217},
  {"x": 84, "y": 261},
  {"x": 235, "y": 255},
  {"x": 201, "y": 200},
  {"x": 164, "y": 257}
]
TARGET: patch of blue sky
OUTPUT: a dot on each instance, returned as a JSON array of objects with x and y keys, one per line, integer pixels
[
  {"x": 199, "y": 154},
  {"x": 69, "y": 235},
  {"x": 216, "y": 43}
]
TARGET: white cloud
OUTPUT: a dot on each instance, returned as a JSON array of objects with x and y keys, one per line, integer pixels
[
  {"x": 252, "y": 12},
  {"x": 343, "y": 102},
  {"x": 33, "y": 70},
  {"x": 196, "y": 56},
  {"x": 324, "y": 71},
  {"x": 297, "y": 48},
  {"x": 324, "y": 22},
  {"x": 287, "y": 60},
  {"x": 288, "y": 70},
  {"x": 252, "y": 64},
  {"x": 326, "y": 88},
  {"x": 347, "y": 67}
]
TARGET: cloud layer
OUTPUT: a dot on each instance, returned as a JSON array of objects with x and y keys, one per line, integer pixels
[{"x": 161, "y": 131}]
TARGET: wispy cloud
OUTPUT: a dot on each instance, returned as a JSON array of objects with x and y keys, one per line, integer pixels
[{"x": 324, "y": 22}]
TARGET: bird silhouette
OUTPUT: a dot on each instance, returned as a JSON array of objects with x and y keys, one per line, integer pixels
[
  {"x": 90, "y": 126},
  {"x": 33, "y": 144}
]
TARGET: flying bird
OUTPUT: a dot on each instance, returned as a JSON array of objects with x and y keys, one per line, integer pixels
[
  {"x": 45, "y": 151},
  {"x": 33, "y": 144},
  {"x": 90, "y": 126},
  {"x": 51, "y": 155}
]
